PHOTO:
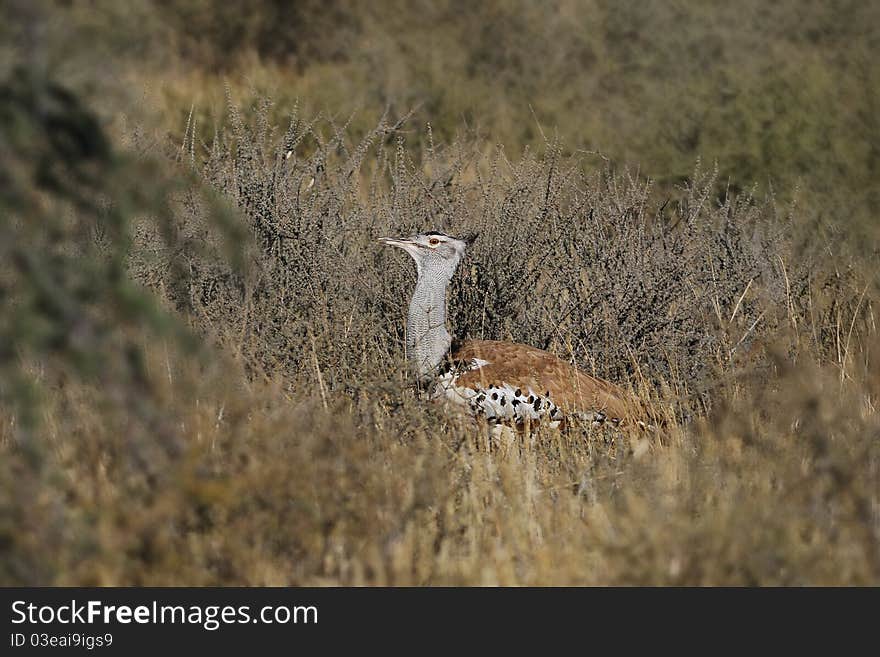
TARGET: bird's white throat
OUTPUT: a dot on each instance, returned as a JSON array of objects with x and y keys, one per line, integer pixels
[{"x": 427, "y": 339}]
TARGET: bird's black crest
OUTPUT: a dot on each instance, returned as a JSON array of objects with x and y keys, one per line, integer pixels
[
  {"x": 467, "y": 239},
  {"x": 470, "y": 238}
]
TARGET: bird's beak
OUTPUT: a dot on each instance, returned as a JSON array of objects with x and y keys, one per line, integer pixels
[
  {"x": 408, "y": 244},
  {"x": 396, "y": 241}
]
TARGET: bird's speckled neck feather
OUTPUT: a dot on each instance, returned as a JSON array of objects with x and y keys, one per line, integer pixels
[{"x": 428, "y": 341}]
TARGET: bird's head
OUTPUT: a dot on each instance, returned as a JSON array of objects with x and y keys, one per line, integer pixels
[{"x": 436, "y": 254}]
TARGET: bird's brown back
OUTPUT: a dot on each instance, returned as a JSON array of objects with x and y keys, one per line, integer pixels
[{"x": 525, "y": 367}]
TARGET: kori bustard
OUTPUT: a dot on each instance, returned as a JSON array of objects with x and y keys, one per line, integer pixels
[{"x": 502, "y": 381}]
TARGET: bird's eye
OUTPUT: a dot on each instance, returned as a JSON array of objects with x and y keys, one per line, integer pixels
[{"x": 433, "y": 241}]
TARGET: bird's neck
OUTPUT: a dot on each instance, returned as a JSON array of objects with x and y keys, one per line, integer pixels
[{"x": 427, "y": 337}]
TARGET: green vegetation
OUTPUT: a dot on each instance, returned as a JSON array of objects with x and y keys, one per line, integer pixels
[{"x": 201, "y": 368}]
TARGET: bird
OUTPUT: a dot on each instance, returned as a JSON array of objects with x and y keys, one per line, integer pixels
[{"x": 503, "y": 382}]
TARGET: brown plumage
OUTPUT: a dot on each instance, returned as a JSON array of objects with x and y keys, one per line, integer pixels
[
  {"x": 525, "y": 367},
  {"x": 499, "y": 381}
]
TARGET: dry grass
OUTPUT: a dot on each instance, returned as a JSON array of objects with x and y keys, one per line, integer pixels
[
  {"x": 778, "y": 488},
  {"x": 298, "y": 453}
]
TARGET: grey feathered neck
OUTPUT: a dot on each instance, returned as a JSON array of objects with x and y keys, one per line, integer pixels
[{"x": 427, "y": 339}]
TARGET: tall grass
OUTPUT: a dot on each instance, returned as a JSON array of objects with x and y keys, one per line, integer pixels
[{"x": 303, "y": 455}]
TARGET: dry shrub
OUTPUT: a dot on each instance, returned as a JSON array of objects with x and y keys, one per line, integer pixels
[
  {"x": 307, "y": 460},
  {"x": 583, "y": 261}
]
